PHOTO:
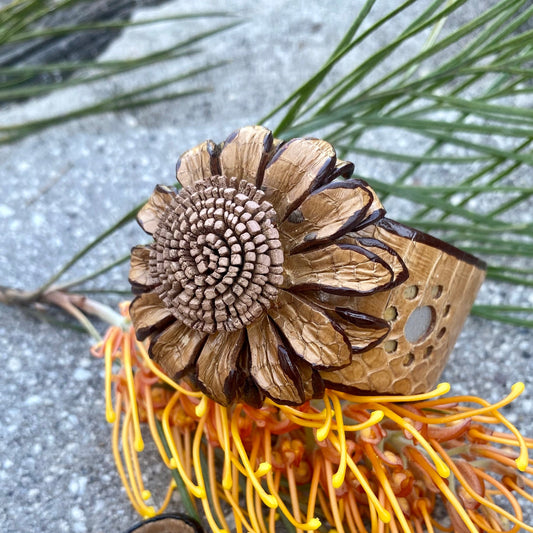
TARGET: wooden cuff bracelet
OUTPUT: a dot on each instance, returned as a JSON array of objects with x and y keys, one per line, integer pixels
[{"x": 269, "y": 276}]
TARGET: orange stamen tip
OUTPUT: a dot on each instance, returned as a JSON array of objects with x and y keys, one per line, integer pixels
[
  {"x": 199, "y": 492},
  {"x": 518, "y": 388},
  {"x": 227, "y": 483},
  {"x": 139, "y": 444},
  {"x": 270, "y": 501},
  {"x": 443, "y": 388},
  {"x": 376, "y": 416},
  {"x": 149, "y": 512},
  {"x": 146, "y": 495},
  {"x": 521, "y": 463},
  {"x": 338, "y": 479},
  {"x": 443, "y": 470},
  {"x": 313, "y": 524},
  {"x": 264, "y": 468},
  {"x": 201, "y": 408},
  {"x": 322, "y": 433}
]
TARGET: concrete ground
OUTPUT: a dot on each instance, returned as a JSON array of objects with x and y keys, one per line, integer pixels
[{"x": 62, "y": 187}]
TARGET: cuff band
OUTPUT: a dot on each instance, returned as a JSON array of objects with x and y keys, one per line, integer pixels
[{"x": 426, "y": 314}]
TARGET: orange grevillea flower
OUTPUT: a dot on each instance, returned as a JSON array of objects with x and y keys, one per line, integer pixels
[{"x": 344, "y": 462}]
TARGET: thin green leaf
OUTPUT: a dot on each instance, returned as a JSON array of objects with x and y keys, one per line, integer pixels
[
  {"x": 99, "y": 272},
  {"x": 58, "y": 31},
  {"x": 503, "y": 314}
]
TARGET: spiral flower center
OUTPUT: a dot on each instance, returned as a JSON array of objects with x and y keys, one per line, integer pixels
[{"x": 218, "y": 255}]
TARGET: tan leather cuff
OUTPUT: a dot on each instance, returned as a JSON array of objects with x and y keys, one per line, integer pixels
[{"x": 426, "y": 314}]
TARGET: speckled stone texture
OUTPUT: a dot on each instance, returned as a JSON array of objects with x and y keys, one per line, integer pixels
[{"x": 64, "y": 186}]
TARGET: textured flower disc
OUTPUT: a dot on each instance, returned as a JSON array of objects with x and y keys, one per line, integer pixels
[{"x": 217, "y": 255}]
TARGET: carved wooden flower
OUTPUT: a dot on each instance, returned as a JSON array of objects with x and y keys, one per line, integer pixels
[{"x": 250, "y": 287}]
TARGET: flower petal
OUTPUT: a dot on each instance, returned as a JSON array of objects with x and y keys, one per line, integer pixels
[
  {"x": 326, "y": 214},
  {"x": 363, "y": 331},
  {"x": 198, "y": 163},
  {"x": 148, "y": 314},
  {"x": 176, "y": 348},
  {"x": 297, "y": 168},
  {"x": 270, "y": 364},
  {"x": 139, "y": 277},
  {"x": 391, "y": 258},
  {"x": 245, "y": 154},
  {"x": 149, "y": 215},
  {"x": 338, "y": 268},
  {"x": 218, "y": 365},
  {"x": 310, "y": 332}
]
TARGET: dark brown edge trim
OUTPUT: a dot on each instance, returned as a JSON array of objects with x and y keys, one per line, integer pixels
[
  {"x": 424, "y": 238},
  {"x": 372, "y": 242},
  {"x": 166, "y": 516},
  {"x": 352, "y": 390},
  {"x": 363, "y": 320}
]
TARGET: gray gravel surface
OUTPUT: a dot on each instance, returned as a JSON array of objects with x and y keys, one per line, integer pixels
[{"x": 64, "y": 186}]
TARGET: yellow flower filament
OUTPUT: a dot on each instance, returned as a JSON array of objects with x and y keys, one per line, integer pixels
[
  {"x": 193, "y": 424},
  {"x": 374, "y": 418},
  {"x": 324, "y": 506},
  {"x": 440, "y": 389},
  {"x": 502, "y": 489},
  {"x": 323, "y": 431},
  {"x": 311, "y": 524},
  {"x": 338, "y": 477},
  {"x": 443, "y": 487},
  {"x": 425, "y": 515},
  {"x": 127, "y": 451},
  {"x": 500, "y": 438},
  {"x": 268, "y": 499},
  {"x": 333, "y": 498},
  {"x": 153, "y": 428},
  {"x": 293, "y": 491},
  {"x": 514, "y": 519},
  {"x": 250, "y": 504},
  {"x": 126, "y": 350},
  {"x": 118, "y": 459},
  {"x": 108, "y": 360},
  {"x": 311, "y": 501},
  {"x": 259, "y": 513},
  {"x": 441, "y": 467},
  {"x": 382, "y": 477},
  {"x": 354, "y": 509},
  {"x": 383, "y": 514},
  {"x": 516, "y": 390},
  {"x": 511, "y": 483},
  {"x": 223, "y": 427},
  {"x": 197, "y": 491}
]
